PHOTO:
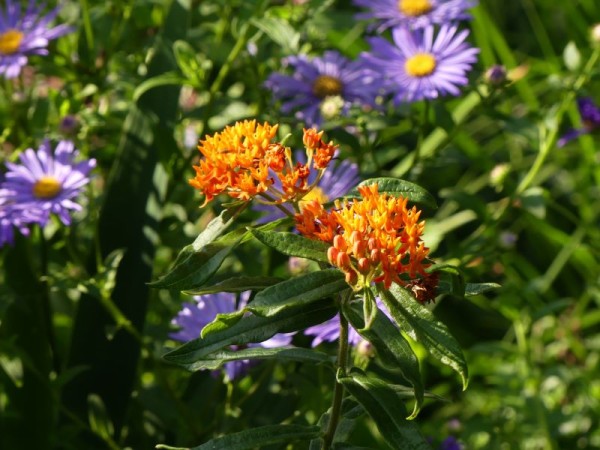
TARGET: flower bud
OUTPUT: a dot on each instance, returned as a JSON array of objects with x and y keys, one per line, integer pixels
[
  {"x": 339, "y": 242},
  {"x": 342, "y": 260},
  {"x": 496, "y": 75},
  {"x": 351, "y": 277},
  {"x": 332, "y": 254},
  {"x": 363, "y": 265}
]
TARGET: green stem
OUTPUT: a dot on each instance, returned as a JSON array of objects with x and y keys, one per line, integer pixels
[
  {"x": 87, "y": 25},
  {"x": 415, "y": 169},
  {"x": 547, "y": 140},
  {"x": 338, "y": 393},
  {"x": 46, "y": 307}
]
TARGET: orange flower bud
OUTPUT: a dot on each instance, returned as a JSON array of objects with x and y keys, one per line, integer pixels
[
  {"x": 363, "y": 265},
  {"x": 351, "y": 277},
  {"x": 342, "y": 260},
  {"x": 312, "y": 138},
  {"x": 332, "y": 254},
  {"x": 339, "y": 242}
]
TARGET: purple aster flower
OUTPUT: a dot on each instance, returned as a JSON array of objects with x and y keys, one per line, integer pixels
[
  {"x": 45, "y": 183},
  {"x": 197, "y": 314},
  {"x": 590, "y": 119},
  {"x": 23, "y": 34},
  {"x": 337, "y": 181},
  {"x": 322, "y": 87},
  {"x": 11, "y": 217},
  {"x": 414, "y": 14},
  {"x": 450, "y": 443},
  {"x": 330, "y": 330},
  {"x": 421, "y": 65}
]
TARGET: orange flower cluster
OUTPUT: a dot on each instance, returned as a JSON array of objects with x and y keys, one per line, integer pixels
[
  {"x": 376, "y": 239},
  {"x": 243, "y": 162}
]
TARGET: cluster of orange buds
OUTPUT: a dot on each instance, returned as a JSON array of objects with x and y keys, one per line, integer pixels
[
  {"x": 244, "y": 162},
  {"x": 375, "y": 239}
]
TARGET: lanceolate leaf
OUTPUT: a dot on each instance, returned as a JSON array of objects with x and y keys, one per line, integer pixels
[
  {"x": 292, "y": 244},
  {"x": 394, "y": 351},
  {"x": 253, "y": 329},
  {"x": 398, "y": 187},
  {"x": 236, "y": 284},
  {"x": 472, "y": 289},
  {"x": 256, "y": 438},
  {"x": 218, "y": 358},
  {"x": 420, "y": 324},
  {"x": 298, "y": 291},
  {"x": 387, "y": 410}
]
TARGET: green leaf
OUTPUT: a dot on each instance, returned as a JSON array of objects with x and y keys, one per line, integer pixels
[
  {"x": 292, "y": 244},
  {"x": 164, "y": 79},
  {"x": 256, "y": 438},
  {"x": 421, "y": 325},
  {"x": 236, "y": 284},
  {"x": 479, "y": 288},
  {"x": 251, "y": 329},
  {"x": 297, "y": 291},
  {"x": 393, "y": 349},
  {"x": 398, "y": 187},
  {"x": 386, "y": 409},
  {"x": 458, "y": 280},
  {"x": 220, "y": 357},
  {"x": 191, "y": 64},
  {"x": 280, "y": 31}
]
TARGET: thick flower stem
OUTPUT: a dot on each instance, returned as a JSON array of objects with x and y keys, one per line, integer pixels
[{"x": 338, "y": 393}]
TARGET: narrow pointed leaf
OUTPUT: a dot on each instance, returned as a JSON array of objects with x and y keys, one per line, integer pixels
[
  {"x": 250, "y": 329},
  {"x": 395, "y": 352},
  {"x": 256, "y": 438},
  {"x": 386, "y": 409},
  {"x": 220, "y": 357},
  {"x": 292, "y": 244},
  {"x": 472, "y": 289},
  {"x": 296, "y": 291},
  {"x": 236, "y": 284},
  {"x": 200, "y": 265},
  {"x": 421, "y": 325},
  {"x": 398, "y": 187}
]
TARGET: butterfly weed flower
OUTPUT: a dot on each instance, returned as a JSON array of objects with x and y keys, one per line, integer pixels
[
  {"x": 374, "y": 239},
  {"x": 590, "y": 119},
  {"x": 24, "y": 33},
  {"x": 45, "y": 183},
  {"x": 325, "y": 84},
  {"x": 422, "y": 64},
  {"x": 244, "y": 162},
  {"x": 339, "y": 178},
  {"x": 414, "y": 14},
  {"x": 203, "y": 309}
]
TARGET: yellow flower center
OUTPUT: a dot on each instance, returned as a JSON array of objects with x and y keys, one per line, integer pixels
[
  {"x": 47, "y": 187},
  {"x": 10, "y": 41},
  {"x": 325, "y": 86},
  {"x": 414, "y": 8},
  {"x": 420, "y": 65},
  {"x": 315, "y": 193}
]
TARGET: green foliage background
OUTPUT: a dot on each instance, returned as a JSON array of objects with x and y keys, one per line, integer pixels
[{"x": 513, "y": 209}]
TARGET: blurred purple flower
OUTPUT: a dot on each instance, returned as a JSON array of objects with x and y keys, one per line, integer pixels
[
  {"x": 325, "y": 81},
  {"x": 339, "y": 178},
  {"x": 330, "y": 330},
  {"x": 45, "y": 183},
  {"x": 12, "y": 217},
  {"x": 421, "y": 65},
  {"x": 450, "y": 443},
  {"x": 414, "y": 14},
  {"x": 24, "y": 33},
  {"x": 590, "y": 119},
  {"x": 203, "y": 309}
]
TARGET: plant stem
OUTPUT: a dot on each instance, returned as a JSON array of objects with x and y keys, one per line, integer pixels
[
  {"x": 415, "y": 169},
  {"x": 338, "y": 393},
  {"x": 46, "y": 307}
]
